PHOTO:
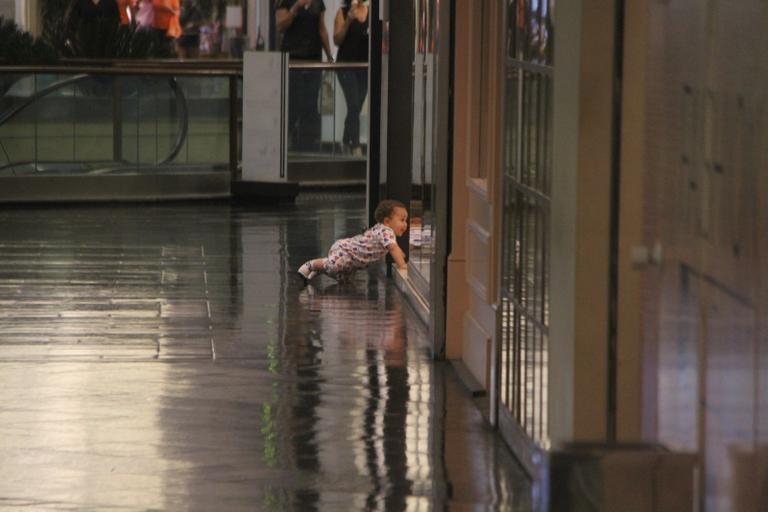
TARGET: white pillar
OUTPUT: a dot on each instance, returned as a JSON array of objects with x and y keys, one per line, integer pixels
[
  {"x": 26, "y": 14},
  {"x": 580, "y": 238},
  {"x": 18, "y": 12},
  {"x": 563, "y": 234},
  {"x": 258, "y": 19}
]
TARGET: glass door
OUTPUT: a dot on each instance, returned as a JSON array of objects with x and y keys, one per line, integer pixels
[{"x": 422, "y": 225}]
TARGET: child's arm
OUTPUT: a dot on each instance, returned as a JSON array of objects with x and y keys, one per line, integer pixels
[{"x": 398, "y": 256}]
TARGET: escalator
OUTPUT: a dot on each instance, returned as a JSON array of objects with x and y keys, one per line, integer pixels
[{"x": 116, "y": 134}]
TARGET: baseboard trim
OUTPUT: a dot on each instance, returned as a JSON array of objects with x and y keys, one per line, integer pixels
[
  {"x": 471, "y": 384},
  {"x": 264, "y": 191},
  {"x": 406, "y": 287},
  {"x": 116, "y": 187}
]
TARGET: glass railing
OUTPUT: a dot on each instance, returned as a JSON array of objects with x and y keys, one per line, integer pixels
[
  {"x": 90, "y": 118},
  {"x": 118, "y": 119},
  {"x": 327, "y": 111}
]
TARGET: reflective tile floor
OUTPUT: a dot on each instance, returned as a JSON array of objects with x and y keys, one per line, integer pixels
[{"x": 166, "y": 357}]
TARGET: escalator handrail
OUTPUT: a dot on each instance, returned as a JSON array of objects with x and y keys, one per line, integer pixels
[
  {"x": 181, "y": 102},
  {"x": 7, "y": 116},
  {"x": 181, "y": 137}
]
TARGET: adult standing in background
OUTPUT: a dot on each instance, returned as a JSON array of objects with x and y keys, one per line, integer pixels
[
  {"x": 165, "y": 22},
  {"x": 89, "y": 11},
  {"x": 91, "y": 26},
  {"x": 188, "y": 45},
  {"x": 350, "y": 33},
  {"x": 302, "y": 24}
]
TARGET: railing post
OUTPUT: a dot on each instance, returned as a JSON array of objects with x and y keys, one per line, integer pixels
[
  {"x": 117, "y": 119},
  {"x": 233, "y": 128}
]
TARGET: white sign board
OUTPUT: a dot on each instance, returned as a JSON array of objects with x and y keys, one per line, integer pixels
[{"x": 233, "y": 16}]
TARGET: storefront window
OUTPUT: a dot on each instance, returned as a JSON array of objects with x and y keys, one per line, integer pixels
[
  {"x": 526, "y": 215},
  {"x": 423, "y": 161}
]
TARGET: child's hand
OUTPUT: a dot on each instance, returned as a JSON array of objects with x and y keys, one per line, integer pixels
[{"x": 398, "y": 256}]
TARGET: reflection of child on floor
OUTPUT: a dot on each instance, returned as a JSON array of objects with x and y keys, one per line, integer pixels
[{"x": 351, "y": 254}]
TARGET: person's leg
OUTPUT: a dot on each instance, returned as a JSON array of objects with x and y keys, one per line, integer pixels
[
  {"x": 193, "y": 48},
  {"x": 361, "y": 90},
  {"x": 348, "y": 86},
  {"x": 294, "y": 108},
  {"x": 317, "y": 265},
  {"x": 339, "y": 262},
  {"x": 166, "y": 43},
  {"x": 307, "y": 115},
  {"x": 313, "y": 119},
  {"x": 353, "y": 112},
  {"x": 360, "y": 85}
]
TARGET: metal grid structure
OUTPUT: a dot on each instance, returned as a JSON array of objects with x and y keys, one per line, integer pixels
[{"x": 524, "y": 323}]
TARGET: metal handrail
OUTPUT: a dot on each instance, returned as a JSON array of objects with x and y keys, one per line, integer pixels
[
  {"x": 181, "y": 137},
  {"x": 39, "y": 94},
  {"x": 308, "y": 64},
  {"x": 208, "y": 64},
  {"x": 199, "y": 67},
  {"x": 122, "y": 70},
  {"x": 231, "y": 68}
]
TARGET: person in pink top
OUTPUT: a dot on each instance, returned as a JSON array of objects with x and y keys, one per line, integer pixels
[{"x": 349, "y": 255}]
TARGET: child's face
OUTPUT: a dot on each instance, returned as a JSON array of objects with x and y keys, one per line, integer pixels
[{"x": 398, "y": 220}]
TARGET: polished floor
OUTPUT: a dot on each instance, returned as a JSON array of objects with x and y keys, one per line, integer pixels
[{"x": 166, "y": 357}]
